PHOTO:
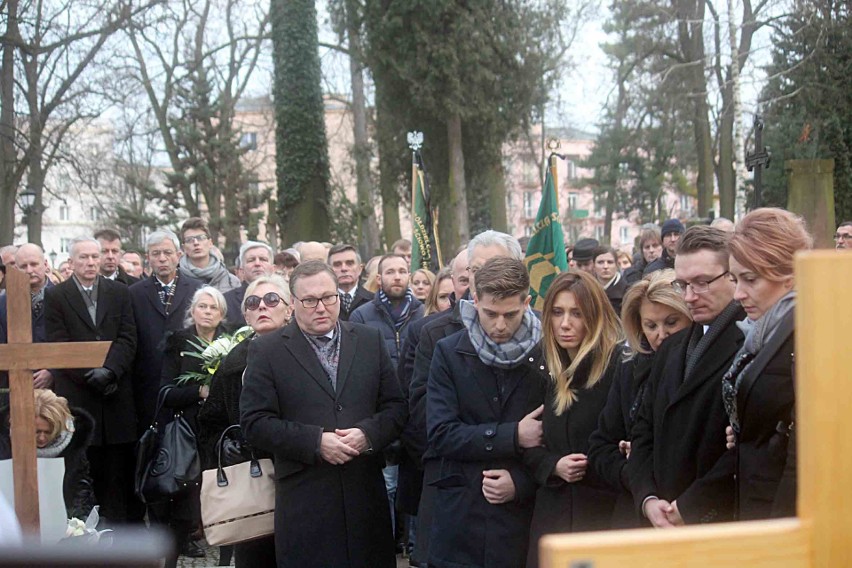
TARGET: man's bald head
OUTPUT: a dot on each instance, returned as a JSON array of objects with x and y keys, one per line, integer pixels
[
  {"x": 461, "y": 280},
  {"x": 30, "y": 260},
  {"x": 312, "y": 250}
]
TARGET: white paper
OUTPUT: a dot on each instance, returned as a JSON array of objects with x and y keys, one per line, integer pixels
[{"x": 51, "y": 472}]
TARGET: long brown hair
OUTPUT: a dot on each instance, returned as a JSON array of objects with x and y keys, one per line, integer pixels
[{"x": 603, "y": 334}]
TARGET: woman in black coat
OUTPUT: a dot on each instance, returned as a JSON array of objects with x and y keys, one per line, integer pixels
[
  {"x": 758, "y": 389},
  {"x": 580, "y": 344},
  {"x": 205, "y": 314},
  {"x": 62, "y": 432},
  {"x": 266, "y": 308},
  {"x": 652, "y": 311}
]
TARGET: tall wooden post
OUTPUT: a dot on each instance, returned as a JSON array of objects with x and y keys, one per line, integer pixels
[{"x": 821, "y": 536}]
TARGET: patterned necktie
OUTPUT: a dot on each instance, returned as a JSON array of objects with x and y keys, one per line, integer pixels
[{"x": 346, "y": 301}]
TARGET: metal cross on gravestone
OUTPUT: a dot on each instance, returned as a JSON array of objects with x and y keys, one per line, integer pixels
[
  {"x": 20, "y": 357},
  {"x": 758, "y": 160}
]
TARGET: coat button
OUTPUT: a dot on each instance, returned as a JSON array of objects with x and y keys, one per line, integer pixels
[
  {"x": 97, "y": 338},
  {"x": 489, "y": 447},
  {"x": 489, "y": 432},
  {"x": 532, "y": 359},
  {"x": 495, "y": 399},
  {"x": 542, "y": 367},
  {"x": 339, "y": 407}
]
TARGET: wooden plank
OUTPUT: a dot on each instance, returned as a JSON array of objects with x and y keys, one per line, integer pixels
[
  {"x": 18, "y": 307},
  {"x": 24, "y": 464},
  {"x": 78, "y": 355},
  {"x": 781, "y": 543},
  {"x": 824, "y": 395}
]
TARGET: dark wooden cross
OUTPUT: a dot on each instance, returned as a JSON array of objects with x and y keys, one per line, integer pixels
[
  {"x": 758, "y": 160},
  {"x": 21, "y": 357}
]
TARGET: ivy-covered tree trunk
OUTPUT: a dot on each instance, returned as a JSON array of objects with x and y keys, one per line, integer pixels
[
  {"x": 458, "y": 188},
  {"x": 301, "y": 146}
]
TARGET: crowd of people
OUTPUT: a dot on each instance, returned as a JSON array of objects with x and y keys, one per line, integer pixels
[{"x": 437, "y": 415}]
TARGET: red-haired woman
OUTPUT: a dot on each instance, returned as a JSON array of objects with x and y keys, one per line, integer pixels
[
  {"x": 580, "y": 337},
  {"x": 758, "y": 389}
]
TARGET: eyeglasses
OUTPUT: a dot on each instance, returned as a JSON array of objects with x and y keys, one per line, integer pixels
[
  {"x": 195, "y": 239},
  {"x": 842, "y": 236},
  {"x": 311, "y": 303},
  {"x": 698, "y": 287},
  {"x": 271, "y": 299}
]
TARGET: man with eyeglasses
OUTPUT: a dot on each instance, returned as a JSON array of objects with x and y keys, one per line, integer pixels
[
  {"x": 679, "y": 433},
  {"x": 843, "y": 236},
  {"x": 255, "y": 260},
  {"x": 199, "y": 262},
  {"x": 321, "y": 395},
  {"x": 159, "y": 305}
]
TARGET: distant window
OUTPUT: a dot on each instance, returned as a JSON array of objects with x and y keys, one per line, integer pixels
[
  {"x": 510, "y": 202},
  {"x": 624, "y": 234},
  {"x": 64, "y": 213},
  {"x": 248, "y": 140},
  {"x": 94, "y": 214},
  {"x": 65, "y": 245},
  {"x": 528, "y": 231},
  {"x": 572, "y": 200},
  {"x": 572, "y": 169},
  {"x": 599, "y": 232},
  {"x": 528, "y": 204},
  {"x": 685, "y": 202},
  {"x": 530, "y": 173},
  {"x": 253, "y": 186}
]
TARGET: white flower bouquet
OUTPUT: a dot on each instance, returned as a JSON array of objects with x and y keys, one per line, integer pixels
[
  {"x": 212, "y": 354},
  {"x": 88, "y": 529}
]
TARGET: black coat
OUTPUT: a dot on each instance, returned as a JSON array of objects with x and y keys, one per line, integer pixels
[
  {"x": 615, "y": 294},
  {"x": 124, "y": 278},
  {"x": 615, "y": 424},
  {"x": 234, "y": 300},
  {"x": 152, "y": 323},
  {"x": 679, "y": 434},
  {"x": 39, "y": 335},
  {"x": 67, "y": 319},
  {"x": 362, "y": 296},
  {"x": 665, "y": 261},
  {"x": 473, "y": 415},
  {"x": 375, "y": 315},
  {"x": 765, "y": 403},
  {"x": 326, "y": 515},
  {"x": 77, "y": 490},
  {"x": 570, "y": 507}
]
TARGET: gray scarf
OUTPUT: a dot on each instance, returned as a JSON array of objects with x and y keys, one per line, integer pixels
[
  {"x": 58, "y": 445},
  {"x": 722, "y": 321},
  {"x": 757, "y": 334},
  {"x": 213, "y": 269},
  {"x": 501, "y": 355},
  {"x": 328, "y": 353}
]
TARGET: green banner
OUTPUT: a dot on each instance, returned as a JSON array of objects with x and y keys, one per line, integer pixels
[
  {"x": 546, "y": 249},
  {"x": 421, "y": 255}
]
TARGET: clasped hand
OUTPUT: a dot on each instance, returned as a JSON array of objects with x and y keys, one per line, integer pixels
[
  {"x": 663, "y": 514},
  {"x": 342, "y": 446}
]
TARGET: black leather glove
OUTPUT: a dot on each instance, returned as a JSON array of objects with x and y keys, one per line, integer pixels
[
  {"x": 102, "y": 380},
  {"x": 233, "y": 452}
]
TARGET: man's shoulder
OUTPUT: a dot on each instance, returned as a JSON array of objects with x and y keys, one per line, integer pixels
[
  {"x": 361, "y": 292},
  {"x": 238, "y": 292},
  {"x": 439, "y": 327}
]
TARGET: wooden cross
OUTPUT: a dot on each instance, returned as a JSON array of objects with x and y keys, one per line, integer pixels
[
  {"x": 821, "y": 535},
  {"x": 21, "y": 357},
  {"x": 758, "y": 160}
]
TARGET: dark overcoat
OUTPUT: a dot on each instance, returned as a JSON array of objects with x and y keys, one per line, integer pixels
[
  {"x": 325, "y": 515},
  {"x": 570, "y": 507},
  {"x": 765, "y": 403},
  {"x": 614, "y": 425},
  {"x": 679, "y": 434},
  {"x": 472, "y": 423},
  {"x": 67, "y": 319},
  {"x": 375, "y": 315},
  {"x": 362, "y": 296},
  {"x": 234, "y": 301},
  {"x": 153, "y": 320}
]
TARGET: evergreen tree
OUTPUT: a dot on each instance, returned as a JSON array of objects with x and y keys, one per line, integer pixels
[{"x": 302, "y": 166}]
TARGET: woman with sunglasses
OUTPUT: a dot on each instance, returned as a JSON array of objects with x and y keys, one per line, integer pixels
[
  {"x": 652, "y": 311},
  {"x": 204, "y": 319},
  {"x": 758, "y": 389},
  {"x": 266, "y": 308}
]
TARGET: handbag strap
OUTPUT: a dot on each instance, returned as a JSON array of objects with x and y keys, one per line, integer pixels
[
  {"x": 161, "y": 399},
  {"x": 221, "y": 477}
]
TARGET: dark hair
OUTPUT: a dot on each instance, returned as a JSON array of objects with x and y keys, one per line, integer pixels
[
  {"x": 404, "y": 244},
  {"x": 502, "y": 277},
  {"x": 343, "y": 247},
  {"x": 285, "y": 259},
  {"x": 845, "y": 224},
  {"x": 308, "y": 269},
  {"x": 108, "y": 235},
  {"x": 604, "y": 250},
  {"x": 389, "y": 256},
  {"x": 704, "y": 237},
  {"x": 196, "y": 223}
]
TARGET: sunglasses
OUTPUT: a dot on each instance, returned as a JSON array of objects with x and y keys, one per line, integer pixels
[{"x": 271, "y": 299}]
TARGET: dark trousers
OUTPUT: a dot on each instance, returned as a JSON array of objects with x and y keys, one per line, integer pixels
[
  {"x": 111, "y": 468},
  {"x": 255, "y": 553}
]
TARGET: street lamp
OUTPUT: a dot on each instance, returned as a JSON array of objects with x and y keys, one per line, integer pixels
[{"x": 27, "y": 197}]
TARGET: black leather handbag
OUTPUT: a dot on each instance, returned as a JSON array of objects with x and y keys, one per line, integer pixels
[{"x": 167, "y": 465}]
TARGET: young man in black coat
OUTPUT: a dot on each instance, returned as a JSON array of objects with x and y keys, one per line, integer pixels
[
  {"x": 486, "y": 387},
  {"x": 326, "y": 412},
  {"x": 679, "y": 433},
  {"x": 89, "y": 307}
]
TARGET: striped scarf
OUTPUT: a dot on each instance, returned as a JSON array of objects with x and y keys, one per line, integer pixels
[{"x": 399, "y": 315}]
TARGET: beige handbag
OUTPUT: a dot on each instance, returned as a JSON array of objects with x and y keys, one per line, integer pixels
[{"x": 238, "y": 501}]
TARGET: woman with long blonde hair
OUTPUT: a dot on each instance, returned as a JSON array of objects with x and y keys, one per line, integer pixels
[{"x": 580, "y": 338}]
